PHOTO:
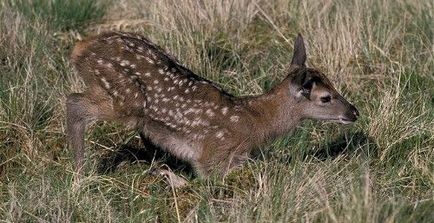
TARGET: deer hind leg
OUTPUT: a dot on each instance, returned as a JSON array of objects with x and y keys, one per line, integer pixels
[{"x": 81, "y": 109}]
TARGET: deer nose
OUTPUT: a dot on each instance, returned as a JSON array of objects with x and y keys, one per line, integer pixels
[{"x": 355, "y": 111}]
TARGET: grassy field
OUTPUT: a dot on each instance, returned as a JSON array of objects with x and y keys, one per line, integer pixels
[{"x": 379, "y": 54}]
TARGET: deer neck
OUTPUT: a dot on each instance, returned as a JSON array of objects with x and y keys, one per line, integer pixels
[{"x": 275, "y": 112}]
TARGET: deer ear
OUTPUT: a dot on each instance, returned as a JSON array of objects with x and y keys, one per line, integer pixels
[
  {"x": 301, "y": 85},
  {"x": 299, "y": 57}
]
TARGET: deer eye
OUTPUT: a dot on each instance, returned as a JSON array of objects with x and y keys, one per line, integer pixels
[{"x": 326, "y": 99}]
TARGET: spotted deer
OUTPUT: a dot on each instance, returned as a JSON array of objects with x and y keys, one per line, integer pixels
[{"x": 132, "y": 81}]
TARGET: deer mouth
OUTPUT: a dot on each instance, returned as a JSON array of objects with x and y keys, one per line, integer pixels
[
  {"x": 342, "y": 120},
  {"x": 345, "y": 121}
]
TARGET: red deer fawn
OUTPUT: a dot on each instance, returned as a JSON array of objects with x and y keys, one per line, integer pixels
[{"x": 134, "y": 82}]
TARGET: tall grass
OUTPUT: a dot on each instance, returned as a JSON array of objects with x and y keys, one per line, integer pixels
[
  {"x": 61, "y": 14},
  {"x": 379, "y": 54}
]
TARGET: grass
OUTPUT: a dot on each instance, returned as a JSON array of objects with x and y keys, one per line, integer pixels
[
  {"x": 379, "y": 54},
  {"x": 60, "y": 14}
]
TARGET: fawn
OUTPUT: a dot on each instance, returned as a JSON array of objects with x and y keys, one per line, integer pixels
[{"x": 131, "y": 80}]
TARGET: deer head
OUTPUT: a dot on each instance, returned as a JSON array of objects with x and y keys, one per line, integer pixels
[{"x": 314, "y": 93}]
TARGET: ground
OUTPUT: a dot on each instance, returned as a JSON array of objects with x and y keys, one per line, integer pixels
[{"x": 379, "y": 55}]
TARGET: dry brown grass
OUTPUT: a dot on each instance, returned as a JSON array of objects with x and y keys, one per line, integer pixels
[{"x": 378, "y": 53}]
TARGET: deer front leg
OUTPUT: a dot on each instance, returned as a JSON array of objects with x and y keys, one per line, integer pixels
[
  {"x": 171, "y": 178},
  {"x": 221, "y": 165}
]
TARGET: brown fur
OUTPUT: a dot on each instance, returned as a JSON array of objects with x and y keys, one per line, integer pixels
[
  {"x": 79, "y": 49},
  {"x": 134, "y": 82}
]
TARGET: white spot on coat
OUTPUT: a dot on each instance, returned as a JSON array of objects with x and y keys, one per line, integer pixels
[
  {"x": 210, "y": 113},
  {"x": 124, "y": 63},
  {"x": 106, "y": 83},
  {"x": 235, "y": 118},
  {"x": 219, "y": 134},
  {"x": 224, "y": 110}
]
